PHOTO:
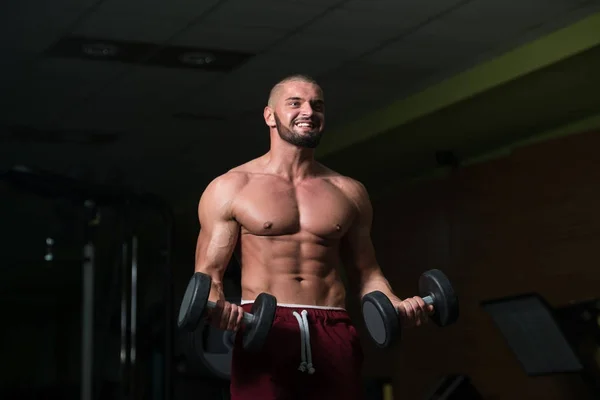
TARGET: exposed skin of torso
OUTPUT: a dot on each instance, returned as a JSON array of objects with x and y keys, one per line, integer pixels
[
  {"x": 290, "y": 233},
  {"x": 292, "y": 223}
]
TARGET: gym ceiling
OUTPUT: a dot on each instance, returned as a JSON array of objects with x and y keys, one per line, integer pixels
[{"x": 165, "y": 95}]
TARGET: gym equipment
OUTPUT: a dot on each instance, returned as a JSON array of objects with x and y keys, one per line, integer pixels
[
  {"x": 454, "y": 387},
  {"x": 381, "y": 318},
  {"x": 90, "y": 200},
  {"x": 257, "y": 323},
  {"x": 208, "y": 350}
]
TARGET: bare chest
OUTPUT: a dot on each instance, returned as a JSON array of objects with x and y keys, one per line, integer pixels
[{"x": 273, "y": 208}]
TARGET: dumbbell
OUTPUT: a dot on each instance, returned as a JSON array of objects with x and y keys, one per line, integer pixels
[
  {"x": 381, "y": 317},
  {"x": 257, "y": 323}
]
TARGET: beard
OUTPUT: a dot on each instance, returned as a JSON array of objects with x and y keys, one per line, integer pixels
[{"x": 307, "y": 139}]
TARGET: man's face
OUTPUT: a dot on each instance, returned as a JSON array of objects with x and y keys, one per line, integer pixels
[{"x": 299, "y": 114}]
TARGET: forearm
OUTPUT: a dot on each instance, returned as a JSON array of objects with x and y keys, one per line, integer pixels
[
  {"x": 375, "y": 280},
  {"x": 213, "y": 252},
  {"x": 216, "y": 274}
]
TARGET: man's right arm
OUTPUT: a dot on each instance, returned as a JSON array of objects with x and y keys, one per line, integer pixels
[{"x": 219, "y": 232}]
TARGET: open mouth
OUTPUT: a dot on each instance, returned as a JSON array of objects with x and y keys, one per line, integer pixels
[{"x": 305, "y": 124}]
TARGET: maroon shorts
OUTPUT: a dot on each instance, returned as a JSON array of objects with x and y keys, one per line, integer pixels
[{"x": 311, "y": 353}]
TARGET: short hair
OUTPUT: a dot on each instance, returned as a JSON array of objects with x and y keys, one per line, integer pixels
[{"x": 290, "y": 78}]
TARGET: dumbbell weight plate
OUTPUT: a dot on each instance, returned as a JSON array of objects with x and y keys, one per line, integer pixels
[
  {"x": 436, "y": 284},
  {"x": 194, "y": 305},
  {"x": 263, "y": 310},
  {"x": 381, "y": 318},
  {"x": 194, "y": 302},
  {"x": 212, "y": 348}
]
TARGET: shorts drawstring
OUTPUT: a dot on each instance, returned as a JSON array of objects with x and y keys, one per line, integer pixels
[
  {"x": 306, "y": 364},
  {"x": 305, "y": 351}
]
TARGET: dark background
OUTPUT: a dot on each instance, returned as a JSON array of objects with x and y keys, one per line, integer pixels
[{"x": 474, "y": 127}]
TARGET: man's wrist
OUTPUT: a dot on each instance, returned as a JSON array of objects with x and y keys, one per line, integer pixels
[{"x": 382, "y": 285}]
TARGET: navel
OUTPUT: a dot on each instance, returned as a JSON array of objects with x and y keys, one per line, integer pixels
[{"x": 268, "y": 225}]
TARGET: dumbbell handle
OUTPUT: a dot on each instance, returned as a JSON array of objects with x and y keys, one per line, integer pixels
[
  {"x": 247, "y": 318},
  {"x": 428, "y": 300}
]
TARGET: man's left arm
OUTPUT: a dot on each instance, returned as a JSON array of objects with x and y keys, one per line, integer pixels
[{"x": 360, "y": 262}]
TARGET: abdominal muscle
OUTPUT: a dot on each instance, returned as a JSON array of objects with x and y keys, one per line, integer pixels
[{"x": 294, "y": 269}]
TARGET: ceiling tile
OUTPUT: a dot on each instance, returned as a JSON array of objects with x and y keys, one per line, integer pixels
[
  {"x": 400, "y": 9},
  {"x": 23, "y": 30},
  {"x": 172, "y": 9},
  {"x": 429, "y": 48},
  {"x": 495, "y": 20},
  {"x": 139, "y": 25},
  {"x": 322, "y": 4},
  {"x": 397, "y": 77},
  {"x": 44, "y": 9},
  {"x": 370, "y": 21},
  {"x": 356, "y": 31},
  {"x": 315, "y": 46},
  {"x": 350, "y": 25},
  {"x": 466, "y": 34},
  {"x": 286, "y": 15},
  {"x": 234, "y": 38},
  {"x": 517, "y": 12}
]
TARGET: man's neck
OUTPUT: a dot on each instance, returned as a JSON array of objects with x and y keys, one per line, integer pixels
[{"x": 289, "y": 161}]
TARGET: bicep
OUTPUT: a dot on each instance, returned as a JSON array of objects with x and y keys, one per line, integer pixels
[
  {"x": 215, "y": 245},
  {"x": 218, "y": 232},
  {"x": 357, "y": 247}
]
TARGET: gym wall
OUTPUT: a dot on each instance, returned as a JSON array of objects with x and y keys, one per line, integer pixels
[{"x": 528, "y": 222}]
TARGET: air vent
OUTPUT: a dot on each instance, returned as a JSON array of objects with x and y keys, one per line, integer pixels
[{"x": 105, "y": 50}]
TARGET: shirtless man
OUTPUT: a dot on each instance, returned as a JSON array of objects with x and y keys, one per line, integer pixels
[{"x": 294, "y": 224}]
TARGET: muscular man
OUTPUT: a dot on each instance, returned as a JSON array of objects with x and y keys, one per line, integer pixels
[{"x": 294, "y": 225}]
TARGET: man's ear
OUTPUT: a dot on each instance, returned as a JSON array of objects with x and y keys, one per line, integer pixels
[{"x": 269, "y": 117}]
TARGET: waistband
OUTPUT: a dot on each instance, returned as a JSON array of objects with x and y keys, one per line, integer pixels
[
  {"x": 323, "y": 315},
  {"x": 300, "y": 306}
]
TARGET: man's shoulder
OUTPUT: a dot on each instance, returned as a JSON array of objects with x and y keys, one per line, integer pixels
[
  {"x": 235, "y": 178},
  {"x": 356, "y": 192},
  {"x": 227, "y": 183},
  {"x": 350, "y": 186}
]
